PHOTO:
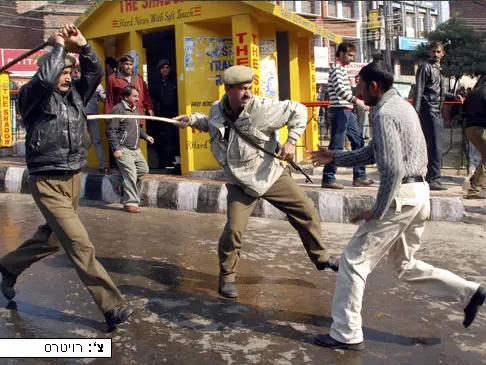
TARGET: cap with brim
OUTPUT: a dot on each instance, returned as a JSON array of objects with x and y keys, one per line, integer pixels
[
  {"x": 69, "y": 61},
  {"x": 236, "y": 75},
  {"x": 163, "y": 62}
]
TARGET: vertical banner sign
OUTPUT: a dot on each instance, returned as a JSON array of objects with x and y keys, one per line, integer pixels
[
  {"x": 6, "y": 132},
  {"x": 313, "y": 140}
]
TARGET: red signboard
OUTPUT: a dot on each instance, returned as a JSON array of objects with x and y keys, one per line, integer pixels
[{"x": 28, "y": 64}]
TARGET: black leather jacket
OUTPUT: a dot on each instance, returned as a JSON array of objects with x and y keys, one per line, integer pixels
[
  {"x": 57, "y": 139},
  {"x": 431, "y": 88}
]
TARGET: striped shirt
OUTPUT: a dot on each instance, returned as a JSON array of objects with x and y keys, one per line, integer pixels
[
  {"x": 340, "y": 88},
  {"x": 398, "y": 148}
]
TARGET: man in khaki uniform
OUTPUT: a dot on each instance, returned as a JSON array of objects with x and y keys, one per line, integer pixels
[
  {"x": 253, "y": 174},
  {"x": 57, "y": 144}
]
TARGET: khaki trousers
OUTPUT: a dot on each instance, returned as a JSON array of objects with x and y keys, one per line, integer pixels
[
  {"x": 57, "y": 198},
  {"x": 285, "y": 195},
  {"x": 399, "y": 233},
  {"x": 476, "y": 137},
  {"x": 132, "y": 166}
]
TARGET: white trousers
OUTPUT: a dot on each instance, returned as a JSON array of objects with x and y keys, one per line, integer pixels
[{"x": 399, "y": 233}]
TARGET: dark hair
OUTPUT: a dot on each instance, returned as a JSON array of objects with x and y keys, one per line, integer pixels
[
  {"x": 126, "y": 58},
  {"x": 378, "y": 72},
  {"x": 345, "y": 47},
  {"x": 436, "y": 44},
  {"x": 163, "y": 62},
  {"x": 127, "y": 91},
  {"x": 111, "y": 61}
]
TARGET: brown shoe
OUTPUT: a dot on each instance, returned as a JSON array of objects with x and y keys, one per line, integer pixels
[
  {"x": 333, "y": 185},
  {"x": 363, "y": 183},
  {"x": 132, "y": 209}
]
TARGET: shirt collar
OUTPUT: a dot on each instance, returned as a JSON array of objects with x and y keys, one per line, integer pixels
[
  {"x": 386, "y": 96},
  {"x": 128, "y": 107}
]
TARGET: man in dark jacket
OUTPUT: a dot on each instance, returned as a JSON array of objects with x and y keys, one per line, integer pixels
[
  {"x": 475, "y": 110},
  {"x": 124, "y": 137},
  {"x": 430, "y": 93},
  {"x": 164, "y": 96},
  {"x": 57, "y": 143}
]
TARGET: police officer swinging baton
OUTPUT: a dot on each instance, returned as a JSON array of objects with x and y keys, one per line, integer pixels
[{"x": 237, "y": 131}]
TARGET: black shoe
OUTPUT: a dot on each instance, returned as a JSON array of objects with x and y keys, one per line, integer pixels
[
  {"x": 472, "y": 308},
  {"x": 8, "y": 282},
  {"x": 436, "y": 185},
  {"x": 331, "y": 343},
  {"x": 332, "y": 263},
  {"x": 227, "y": 289},
  {"x": 117, "y": 316}
]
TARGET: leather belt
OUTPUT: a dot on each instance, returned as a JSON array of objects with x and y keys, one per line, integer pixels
[{"x": 412, "y": 179}]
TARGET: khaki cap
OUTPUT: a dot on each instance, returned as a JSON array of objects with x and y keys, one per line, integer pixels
[
  {"x": 236, "y": 75},
  {"x": 69, "y": 61}
]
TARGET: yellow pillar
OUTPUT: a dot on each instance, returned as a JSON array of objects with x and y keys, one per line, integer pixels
[
  {"x": 98, "y": 46},
  {"x": 185, "y": 135},
  {"x": 308, "y": 92},
  {"x": 246, "y": 45}
]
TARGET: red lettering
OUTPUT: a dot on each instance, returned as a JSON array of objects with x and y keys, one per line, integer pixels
[
  {"x": 254, "y": 36},
  {"x": 256, "y": 80},
  {"x": 6, "y": 118},
  {"x": 146, "y": 4},
  {"x": 313, "y": 78},
  {"x": 131, "y": 5},
  {"x": 243, "y": 50},
  {"x": 255, "y": 64},
  {"x": 254, "y": 50},
  {"x": 241, "y": 36},
  {"x": 242, "y": 61},
  {"x": 121, "y": 6}
]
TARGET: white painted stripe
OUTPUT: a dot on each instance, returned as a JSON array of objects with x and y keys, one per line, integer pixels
[
  {"x": 108, "y": 194},
  {"x": 83, "y": 185},
  {"x": 187, "y": 193},
  {"x": 150, "y": 189},
  {"x": 331, "y": 206},
  {"x": 223, "y": 200},
  {"x": 13, "y": 179}
]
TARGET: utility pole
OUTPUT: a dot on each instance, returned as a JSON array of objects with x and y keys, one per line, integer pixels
[{"x": 387, "y": 6}]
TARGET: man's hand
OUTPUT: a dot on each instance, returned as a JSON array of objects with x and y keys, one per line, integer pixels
[
  {"x": 287, "y": 153},
  {"x": 72, "y": 37},
  {"x": 150, "y": 139},
  {"x": 118, "y": 154},
  {"x": 151, "y": 113},
  {"x": 360, "y": 103},
  {"x": 365, "y": 215},
  {"x": 183, "y": 121},
  {"x": 322, "y": 157}
]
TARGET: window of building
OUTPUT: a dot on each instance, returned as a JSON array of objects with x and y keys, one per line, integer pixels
[
  {"x": 317, "y": 40},
  {"x": 348, "y": 9},
  {"x": 332, "y": 52},
  {"x": 289, "y": 5},
  {"x": 421, "y": 25},
  {"x": 410, "y": 28},
  {"x": 309, "y": 7},
  {"x": 433, "y": 22},
  {"x": 332, "y": 8},
  {"x": 407, "y": 67}
]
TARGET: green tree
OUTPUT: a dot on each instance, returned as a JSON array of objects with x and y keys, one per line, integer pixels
[{"x": 464, "y": 46}]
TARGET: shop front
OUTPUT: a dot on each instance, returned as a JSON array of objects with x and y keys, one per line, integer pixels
[{"x": 201, "y": 40}]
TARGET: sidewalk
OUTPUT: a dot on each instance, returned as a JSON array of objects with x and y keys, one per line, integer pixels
[{"x": 205, "y": 192}]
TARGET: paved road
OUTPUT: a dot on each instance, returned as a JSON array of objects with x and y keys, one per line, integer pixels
[{"x": 165, "y": 262}]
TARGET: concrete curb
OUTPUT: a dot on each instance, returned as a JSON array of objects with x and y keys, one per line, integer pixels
[{"x": 210, "y": 197}]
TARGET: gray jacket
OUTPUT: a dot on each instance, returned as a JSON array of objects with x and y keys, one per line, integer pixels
[
  {"x": 124, "y": 132},
  {"x": 244, "y": 165}
]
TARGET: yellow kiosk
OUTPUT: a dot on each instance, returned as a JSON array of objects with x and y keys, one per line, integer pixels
[{"x": 202, "y": 39}]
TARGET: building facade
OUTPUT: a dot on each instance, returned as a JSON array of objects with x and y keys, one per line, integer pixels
[{"x": 473, "y": 12}]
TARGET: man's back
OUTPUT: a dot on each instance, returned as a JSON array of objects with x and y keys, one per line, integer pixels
[{"x": 475, "y": 108}]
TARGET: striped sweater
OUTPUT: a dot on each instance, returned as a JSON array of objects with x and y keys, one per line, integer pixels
[
  {"x": 340, "y": 88},
  {"x": 398, "y": 148}
]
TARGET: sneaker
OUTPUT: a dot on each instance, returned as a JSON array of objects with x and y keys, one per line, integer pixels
[
  {"x": 117, "y": 316},
  {"x": 332, "y": 263},
  {"x": 227, "y": 289},
  {"x": 132, "y": 209},
  {"x": 331, "y": 343},
  {"x": 8, "y": 282},
  {"x": 363, "y": 183},
  {"x": 436, "y": 185},
  {"x": 332, "y": 185},
  {"x": 474, "y": 196}
]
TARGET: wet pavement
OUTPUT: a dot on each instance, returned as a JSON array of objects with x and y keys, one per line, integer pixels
[{"x": 165, "y": 263}]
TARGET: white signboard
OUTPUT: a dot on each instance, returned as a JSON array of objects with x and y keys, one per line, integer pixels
[{"x": 321, "y": 57}]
